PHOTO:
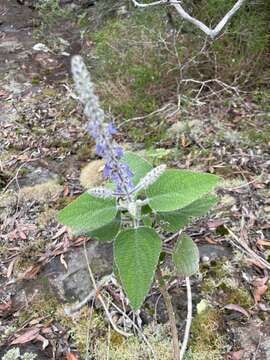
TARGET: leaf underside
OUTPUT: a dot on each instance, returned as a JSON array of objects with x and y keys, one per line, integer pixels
[
  {"x": 136, "y": 253},
  {"x": 186, "y": 256}
]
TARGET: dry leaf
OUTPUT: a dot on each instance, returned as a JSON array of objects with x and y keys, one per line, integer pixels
[
  {"x": 28, "y": 336},
  {"x": 31, "y": 272},
  {"x": 237, "y": 308},
  {"x": 4, "y": 308},
  {"x": 70, "y": 356},
  {"x": 237, "y": 355},
  {"x": 263, "y": 242},
  {"x": 260, "y": 288},
  {"x": 10, "y": 268},
  {"x": 259, "y": 291}
]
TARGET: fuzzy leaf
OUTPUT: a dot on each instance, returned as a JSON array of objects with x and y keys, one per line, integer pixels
[
  {"x": 136, "y": 253},
  {"x": 176, "y": 220},
  {"x": 139, "y": 166},
  {"x": 175, "y": 189},
  {"x": 186, "y": 256},
  {"x": 88, "y": 213},
  {"x": 107, "y": 232}
]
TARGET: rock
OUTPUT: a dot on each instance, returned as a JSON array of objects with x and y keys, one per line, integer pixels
[
  {"x": 75, "y": 284},
  {"x": 253, "y": 337},
  {"x": 37, "y": 176},
  {"x": 209, "y": 252},
  {"x": 92, "y": 174}
]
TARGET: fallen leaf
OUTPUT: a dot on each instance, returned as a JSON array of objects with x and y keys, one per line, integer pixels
[
  {"x": 31, "y": 272},
  {"x": 259, "y": 291},
  {"x": 60, "y": 232},
  {"x": 260, "y": 288},
  {"x": 10, "y": 268},
  {"x": 236, "y": 355},
  {"x": 44, "y": 341},
  {"x": 70, "y": 356},
  {"x": 237, "y": 308},
  {"x": 66, "y": 190},
  {"x": 263, "y": 242},
  {"x": 4, "y": 308},
  {"x": 26, "y": 337}
]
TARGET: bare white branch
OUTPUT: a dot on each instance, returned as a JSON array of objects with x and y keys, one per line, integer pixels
[
  {"x": 199, "y": 24},
  {"x": 136, "y": 3}
]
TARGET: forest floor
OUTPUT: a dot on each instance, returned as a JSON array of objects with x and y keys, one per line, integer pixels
[{"x": 46, "y": 160}]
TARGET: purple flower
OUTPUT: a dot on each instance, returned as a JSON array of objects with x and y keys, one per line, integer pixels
[
  {"x": 111, "y": 129},
  {"x": 101, "y": 131}
]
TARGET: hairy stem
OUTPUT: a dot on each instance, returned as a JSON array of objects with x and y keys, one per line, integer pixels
[
  {"x": 171, "y": 315},
  {"x": 189, "y": 319}
]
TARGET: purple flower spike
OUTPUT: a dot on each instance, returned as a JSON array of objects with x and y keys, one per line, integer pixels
[
  {"x": 118, "y": 151},
  {"x": 101, "y": 131},
  {"x": 111, "y": 129}
]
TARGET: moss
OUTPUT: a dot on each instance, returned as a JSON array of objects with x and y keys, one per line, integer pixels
[
  {"x": 87, "y": 326},
  {"x": 41, "y": 306},
  {"x": 35, "y": 81},
  {"x": 92, "y": 174},
  {"x": 41, "y": 192},
  {"x": 29, "y": 254},
  {"x": 207, "y": 335},
  {"x": 125, "y": 348},
  {"x": 221, "y": 283}
]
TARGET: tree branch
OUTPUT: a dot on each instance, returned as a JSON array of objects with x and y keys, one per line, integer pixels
[{"x": 199, "y": 24}]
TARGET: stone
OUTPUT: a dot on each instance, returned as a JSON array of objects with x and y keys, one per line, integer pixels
[
  {"x": 74, "y": 283},
  {"x": 211, "y": 252},
  {"x": 253, "y": 337}
]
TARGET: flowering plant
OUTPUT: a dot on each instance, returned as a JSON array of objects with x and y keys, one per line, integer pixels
[{"x": 136, "y": 204}]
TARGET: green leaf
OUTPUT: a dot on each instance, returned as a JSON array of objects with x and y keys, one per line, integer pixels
[
  {"x": 139, "y": 166},
  {"x": 136, "y": 253},
  {"x": 88, "y": 213},
  {"x": 186, "y": 256},
  {"x": 176, "y": 220},
  {"x": 176, "y": 189},
  {"x": 107, "y": 232}
]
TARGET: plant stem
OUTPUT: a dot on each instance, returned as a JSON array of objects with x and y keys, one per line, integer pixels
[
  {"x": 189, "y": 319},
  {"x": 171, "y": 315}
]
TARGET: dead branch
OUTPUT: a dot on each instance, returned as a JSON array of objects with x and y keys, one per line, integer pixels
[{"x": 199, "y": 24}]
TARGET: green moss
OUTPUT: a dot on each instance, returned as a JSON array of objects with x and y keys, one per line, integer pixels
[
  {"x": 35, "y": 81},
  {"x": 221, "y": 284},
  {"x": 207, "y": 335},
  {"x": 133, "y": 347},
  {"x": 84, "y": 329},
  {"x": 41, "y": 306}
]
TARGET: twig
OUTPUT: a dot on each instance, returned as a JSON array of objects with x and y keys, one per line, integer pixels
[
  {"x": 199, "y": 24},
  {"x": 246, "y": 249},
  {"x": 189, "y": 319},
  {"x": 208, "y": 31},
  {"x": 100, "y": 298},
  {"x": 170, "y": 311},
  {"x": 137, "y": 329}
]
